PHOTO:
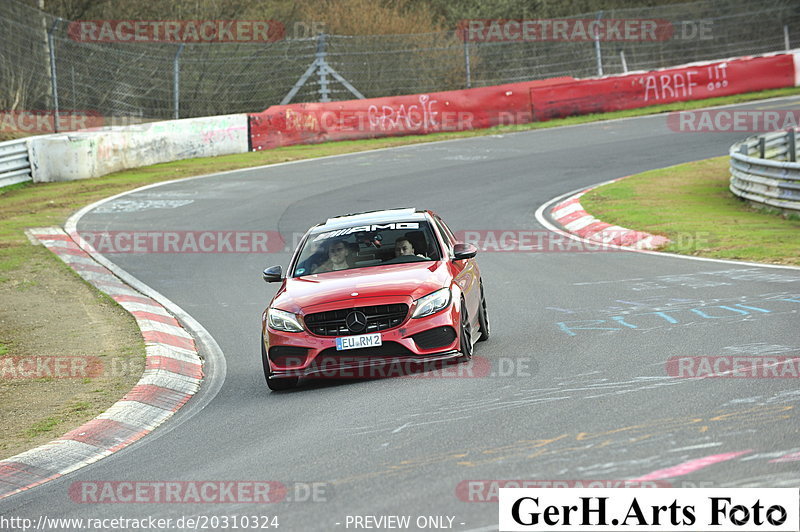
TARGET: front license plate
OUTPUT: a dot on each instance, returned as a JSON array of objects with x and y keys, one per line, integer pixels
[{"x": 357, "y": 342}]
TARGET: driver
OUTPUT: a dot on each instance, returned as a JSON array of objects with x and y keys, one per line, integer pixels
[
  {"x": 403, "y": 246},
  {"x": 338, "y": 253}
]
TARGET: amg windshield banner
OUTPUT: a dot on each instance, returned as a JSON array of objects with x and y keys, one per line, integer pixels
[{"x": 640, "y": 509}]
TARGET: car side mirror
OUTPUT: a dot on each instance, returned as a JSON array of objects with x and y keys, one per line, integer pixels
[
  {"x": 464, "y": 251},
  {"x": 273, "y": 274}
]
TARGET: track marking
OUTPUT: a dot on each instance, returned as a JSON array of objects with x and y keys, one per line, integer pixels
[{"x": 689, "y": 467}]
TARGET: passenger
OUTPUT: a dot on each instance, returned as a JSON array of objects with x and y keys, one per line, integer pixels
[{"x": 338, "y": 254}]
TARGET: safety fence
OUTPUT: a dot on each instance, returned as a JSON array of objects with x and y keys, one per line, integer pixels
[
  {"x": 93, "y": 153},
  {"x": 44, "y": 66},
  {"x": 764, "y": 170}
]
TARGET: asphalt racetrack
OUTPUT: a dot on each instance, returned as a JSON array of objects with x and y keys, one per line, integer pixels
[{"x": 578, "y": 386}]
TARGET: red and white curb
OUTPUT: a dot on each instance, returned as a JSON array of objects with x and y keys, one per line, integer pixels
[
  {"x": 572, "y": 216},
  {"x": 173, "y": 371}
]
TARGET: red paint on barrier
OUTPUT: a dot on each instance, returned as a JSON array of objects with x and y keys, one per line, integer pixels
[
  {"x": 415, "y": 114},
  {"x": 671, "y": 85},
  {"x": 515, "y": 103}
]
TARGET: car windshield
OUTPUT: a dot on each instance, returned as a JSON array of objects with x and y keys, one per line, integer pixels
[{"x": 361, "y": 246}]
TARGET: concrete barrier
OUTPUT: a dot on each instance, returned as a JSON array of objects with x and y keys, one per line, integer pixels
[
  {"x": 85, "y": 154},
  {"x": 532, "y": 101}
]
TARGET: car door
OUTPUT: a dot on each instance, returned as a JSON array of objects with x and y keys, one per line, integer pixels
[{"x": 465, "y": 272}]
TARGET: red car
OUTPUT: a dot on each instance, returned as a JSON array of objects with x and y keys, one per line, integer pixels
[{"x": 371, "y": 289}]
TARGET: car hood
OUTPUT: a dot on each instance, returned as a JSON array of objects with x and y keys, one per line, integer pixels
[{"x": 398, "y": 281}]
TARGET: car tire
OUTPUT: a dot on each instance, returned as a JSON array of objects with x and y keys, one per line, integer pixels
[
  {"x": 483, "y": 319},
  {"x": 276, "y": 385},
  {"x": 465, "y": 333}
]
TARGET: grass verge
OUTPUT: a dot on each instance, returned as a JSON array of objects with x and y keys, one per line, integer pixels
[
  {"x": 47, "y": 310},
  {"x": 692, "y": 206}
]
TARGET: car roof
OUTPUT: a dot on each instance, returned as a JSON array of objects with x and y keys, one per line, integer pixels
[{"x": 373, "y": 217}]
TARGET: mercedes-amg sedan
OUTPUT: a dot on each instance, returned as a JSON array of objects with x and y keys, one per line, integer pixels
[{"x": 370, "y": 289}]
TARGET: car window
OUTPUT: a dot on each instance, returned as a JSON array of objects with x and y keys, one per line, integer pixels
[
  {"x": 448, "y": 237},
  {"x": 365, "y": 246}
]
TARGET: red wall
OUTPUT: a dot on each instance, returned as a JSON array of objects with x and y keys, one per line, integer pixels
[
  {"x": 663, "y": 86},
  {"x": 308, "y": 123}
]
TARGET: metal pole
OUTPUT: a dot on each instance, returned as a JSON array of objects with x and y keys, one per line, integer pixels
[
  {"x": 176, "y": 82},
  {"x": 597, "y": 50},
  {"x": 624, "y": 63},
  {"x": 762, "y": 147},
  {"x": 791, "y": 145},
  {"x": 322, "y": 71},
  {"x": 466, "y": 62},
  {"x": 786, "y": 37},
  {"x": 53, "y": 77}
]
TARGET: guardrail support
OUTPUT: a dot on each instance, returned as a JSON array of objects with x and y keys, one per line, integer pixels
[
  {"x": 762, "y": 147},
  {"x": 51, "y": 48},
  {"x": 786, "y": 37},
  {"x": 466, "y": 61},
  {"x": 176, "y": 83},
  {"x": 791, "y": 145},
  {"x": 597, "y": 52}
]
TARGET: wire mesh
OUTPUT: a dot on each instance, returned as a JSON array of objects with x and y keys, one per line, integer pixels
[{"x": 139, "y": 79}]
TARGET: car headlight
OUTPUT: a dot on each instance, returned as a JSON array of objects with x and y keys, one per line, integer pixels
[
  {"x": 281, "y": 320},
  {"x": 432, "y": 303}
]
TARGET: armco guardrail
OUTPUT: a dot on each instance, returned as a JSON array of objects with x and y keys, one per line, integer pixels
[
  {"x": 15, "y": 167},
  {"x": 764, "y": 170}
]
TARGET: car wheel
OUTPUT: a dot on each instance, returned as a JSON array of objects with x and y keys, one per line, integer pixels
[
  {"x": 465, "y": 333},
  {"x": 483, "y": 319},
  {"x": 276, "y": 385}
]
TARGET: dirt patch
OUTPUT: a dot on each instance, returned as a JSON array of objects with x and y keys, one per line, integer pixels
[{"x": 68, "y": 353}]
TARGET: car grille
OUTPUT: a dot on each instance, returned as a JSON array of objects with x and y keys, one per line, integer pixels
[
  {"x": 379, "y": 318},
  {"x": 437, "y": 337}
]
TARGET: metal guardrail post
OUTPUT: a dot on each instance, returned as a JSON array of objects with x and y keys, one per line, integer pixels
[
  {"x": 786, "y": 37},
  {"x": 597, "y": 52},
  {"x": 791, "y": 145},
  {"x": 466, "y": 61},
  {"x": 762, "y": 147},
  {"x": 322, "y": 71},
  {"x": 176, "y": 82},
  {"x": 53, "y": 77}
]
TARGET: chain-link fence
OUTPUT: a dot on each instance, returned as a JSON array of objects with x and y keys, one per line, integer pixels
[{"x": 42, "y": 68}]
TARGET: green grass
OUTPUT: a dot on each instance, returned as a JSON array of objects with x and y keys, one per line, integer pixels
[
  {"x": 45, "y": 425},
  {"x": 692, "y": 206}
]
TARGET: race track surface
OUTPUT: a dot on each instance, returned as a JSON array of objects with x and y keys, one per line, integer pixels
[{"x": 585, "y": 336}]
